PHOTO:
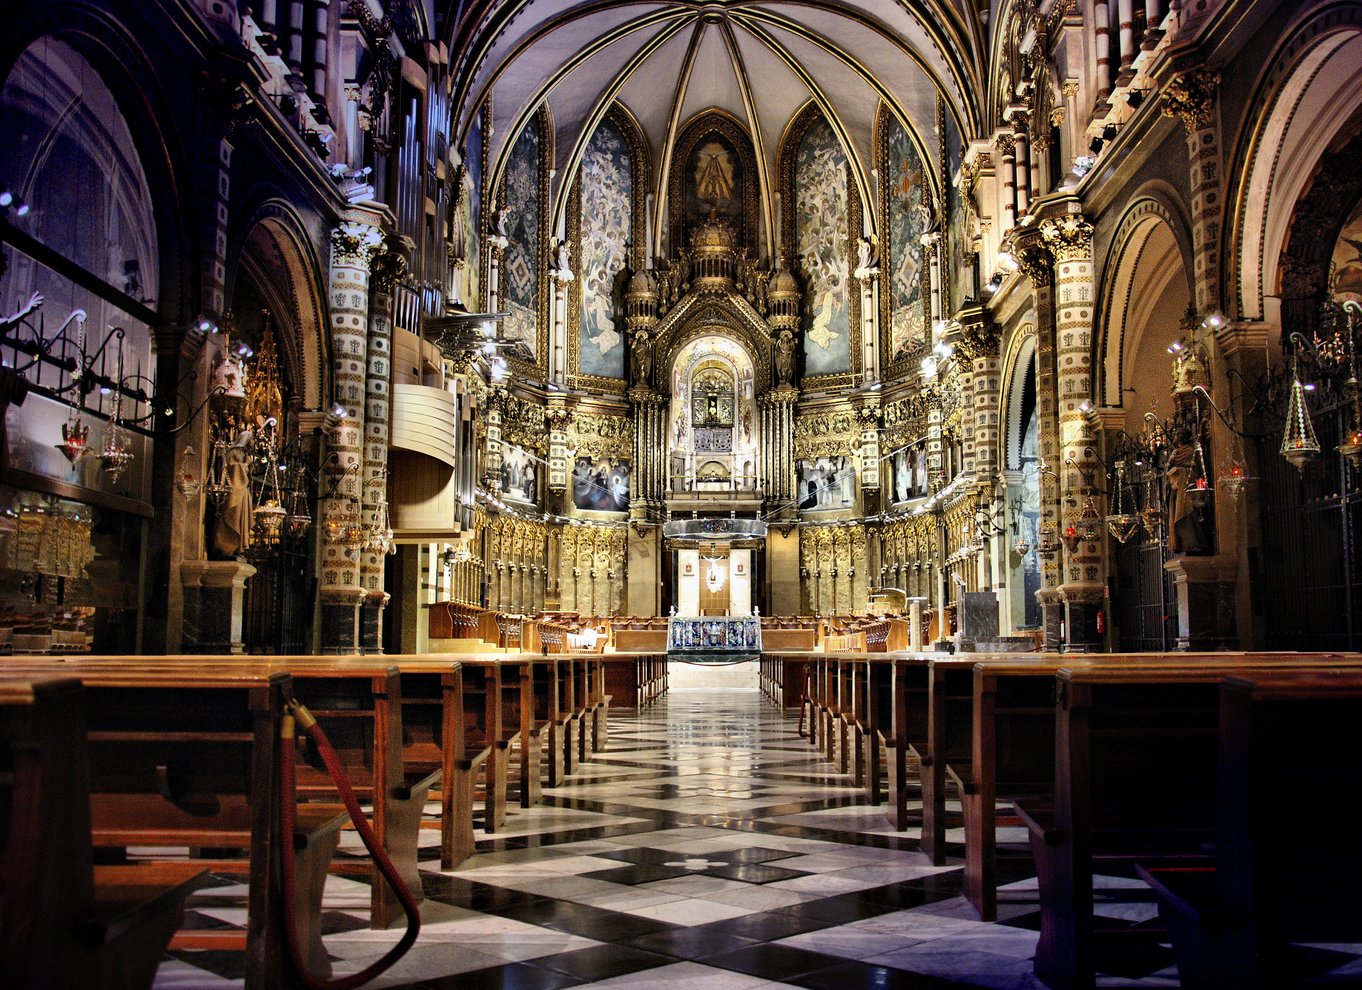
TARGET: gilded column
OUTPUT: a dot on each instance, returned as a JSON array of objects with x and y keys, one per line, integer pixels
[
  {"x": 1069, "y": 240},
  {"x": 1191, "y": 98},
  {"x": 496, "y": 400},
  {"x": 353, "y": 244}
]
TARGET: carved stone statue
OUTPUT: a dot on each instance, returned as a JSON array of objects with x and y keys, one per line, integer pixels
[{"x": 785, "y": 357}]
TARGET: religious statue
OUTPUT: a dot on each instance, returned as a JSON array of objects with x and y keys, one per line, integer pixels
[
  {"x": 232, "y": 530},
  {"x": 785, "y": 357},
  {"x": 1186, "y": 533},
  {"x": 642, "y": 358},
  {"x": 867, "y": 260}
]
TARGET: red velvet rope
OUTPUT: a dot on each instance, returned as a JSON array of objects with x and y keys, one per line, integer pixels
[{"x": 287, "y": 812}]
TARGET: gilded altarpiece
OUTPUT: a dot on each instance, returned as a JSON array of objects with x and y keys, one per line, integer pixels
[
  {"x": 714, "y": 173},
  {"x": 832, "y": 569},
  {"x": 591, "y": 559}
]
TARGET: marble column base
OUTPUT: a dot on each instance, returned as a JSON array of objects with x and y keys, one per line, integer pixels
[
  {"x": 214, "y": 604},
  {"x": 340, "y": 631},
  {"x": 371, "y": 622},
  {"x": 1051, "y": 618}
]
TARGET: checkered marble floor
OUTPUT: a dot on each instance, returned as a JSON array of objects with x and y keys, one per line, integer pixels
[{"x": 707, "y": 847}]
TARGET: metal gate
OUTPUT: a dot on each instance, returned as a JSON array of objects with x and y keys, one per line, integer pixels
[
  {"x": 1306, "y": 574},
  {"x": 1143, "y": 598}
]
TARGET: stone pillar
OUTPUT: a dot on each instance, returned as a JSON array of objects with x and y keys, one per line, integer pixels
[
  {"x": 1069, "y": 240},
  {"x": 1051, "y": 618},
  {"x": 353, "y": 244},
  {"x": 1191, "y": 98},
  {"x": 1101, "y": 16},
  {"x": 915, "y": 632},
  {"x": 1023, "y": 156},
  {"x": 491, "y": 463},
  {"x": 868, "y": 418},
  {"x": 557, "y": 418},
  {"x": 214, "y": 603}
]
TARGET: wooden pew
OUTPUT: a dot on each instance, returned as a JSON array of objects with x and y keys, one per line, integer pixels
[
  {"x": 910, "y": 737},
  {"x": 191, "y": 759},
  {"x": 1135, "y": 776},
  {"x": 359, "y": 702},
  {"x": 65, "y": 923},
  {"x": 1012, "y": 749},
  {"x": 486, "y": 747},
  {"x": 1282, "y": 735}
]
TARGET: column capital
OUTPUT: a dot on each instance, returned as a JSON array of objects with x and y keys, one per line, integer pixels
[
  {"x": 1191, "y": 98},
  {"x": 1068, "y": 236},
  {"x": 354, "y": 242}
]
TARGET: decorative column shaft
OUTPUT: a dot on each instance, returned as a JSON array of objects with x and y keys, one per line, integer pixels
[
  {"x": 386, "y": 268},
  {"x": 1069, "y": 239},
  {"x": 1191, "y": 98},
  {"x": 1007, "y": 149},
  {"x": 353, "y": 243},
  {"x": 1023, "y": 156}
]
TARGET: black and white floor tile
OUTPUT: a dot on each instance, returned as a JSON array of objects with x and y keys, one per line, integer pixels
[{"x": 707, "y": 847}]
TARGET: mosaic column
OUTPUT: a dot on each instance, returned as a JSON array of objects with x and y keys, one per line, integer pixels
[
  {"x": 386, "y": 269},
  {"x": 353, "y": 244},
  {"x": 1069, "y": 239},
  {"x": 1191, "y": 98}
]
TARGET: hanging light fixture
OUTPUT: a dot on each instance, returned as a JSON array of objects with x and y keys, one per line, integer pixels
[
  {"x": 75, "y": 438},
  {"x": 115, "y": 457},
  {"x": 187, "y": 482},
  {"x": 1120, "y": 523},
  {"x": 1047, "y": 546},
  {"x": 1199, "y": 488},
  {"x": 1299, "y": 443}
]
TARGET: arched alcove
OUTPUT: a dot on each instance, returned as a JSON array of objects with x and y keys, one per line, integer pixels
[{"x": 712, "y": 432}]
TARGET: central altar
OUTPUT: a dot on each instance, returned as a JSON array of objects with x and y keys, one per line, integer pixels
[{"x": 717, "y": 637}]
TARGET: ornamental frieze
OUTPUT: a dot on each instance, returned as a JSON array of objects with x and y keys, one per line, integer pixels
[
  {"x": 826, "y": 435},
  {"x": 602, "y": 436},
  {"x": 522, "y": 423}
]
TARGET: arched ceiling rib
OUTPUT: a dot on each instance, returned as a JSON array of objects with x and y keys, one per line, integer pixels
[{"x": 757, "y": 60}]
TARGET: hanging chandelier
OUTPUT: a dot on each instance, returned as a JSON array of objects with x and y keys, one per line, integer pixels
[{"x": 1121, "y": 524}]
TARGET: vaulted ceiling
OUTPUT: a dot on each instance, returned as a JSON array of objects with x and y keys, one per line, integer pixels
[{"x": 760, "y": 61}]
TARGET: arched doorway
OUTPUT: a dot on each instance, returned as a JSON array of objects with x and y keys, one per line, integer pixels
[{"x": 1146, "y": 308}]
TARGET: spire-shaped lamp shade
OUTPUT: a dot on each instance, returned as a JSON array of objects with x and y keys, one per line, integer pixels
[{"x": 1299, "y": 443}]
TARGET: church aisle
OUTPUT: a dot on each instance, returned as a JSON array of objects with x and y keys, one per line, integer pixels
[{"x": 707, "y": 846}]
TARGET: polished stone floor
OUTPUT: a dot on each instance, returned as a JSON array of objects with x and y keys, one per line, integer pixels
[{"x": 707, "y": 846}]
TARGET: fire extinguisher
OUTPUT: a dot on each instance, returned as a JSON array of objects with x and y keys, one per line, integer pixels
[{"x": 1101, "y": 623}]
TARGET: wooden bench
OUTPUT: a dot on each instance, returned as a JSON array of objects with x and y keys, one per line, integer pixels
[
  {"x": 65, "y": 923},
  {"x": 191, "y": 760},
  {"x": 1282, "y": 735},
  {"x": 1012, "y": 750},
  {"x": 359, "y": 703},
  {"x": 1135, "y": 779}
]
